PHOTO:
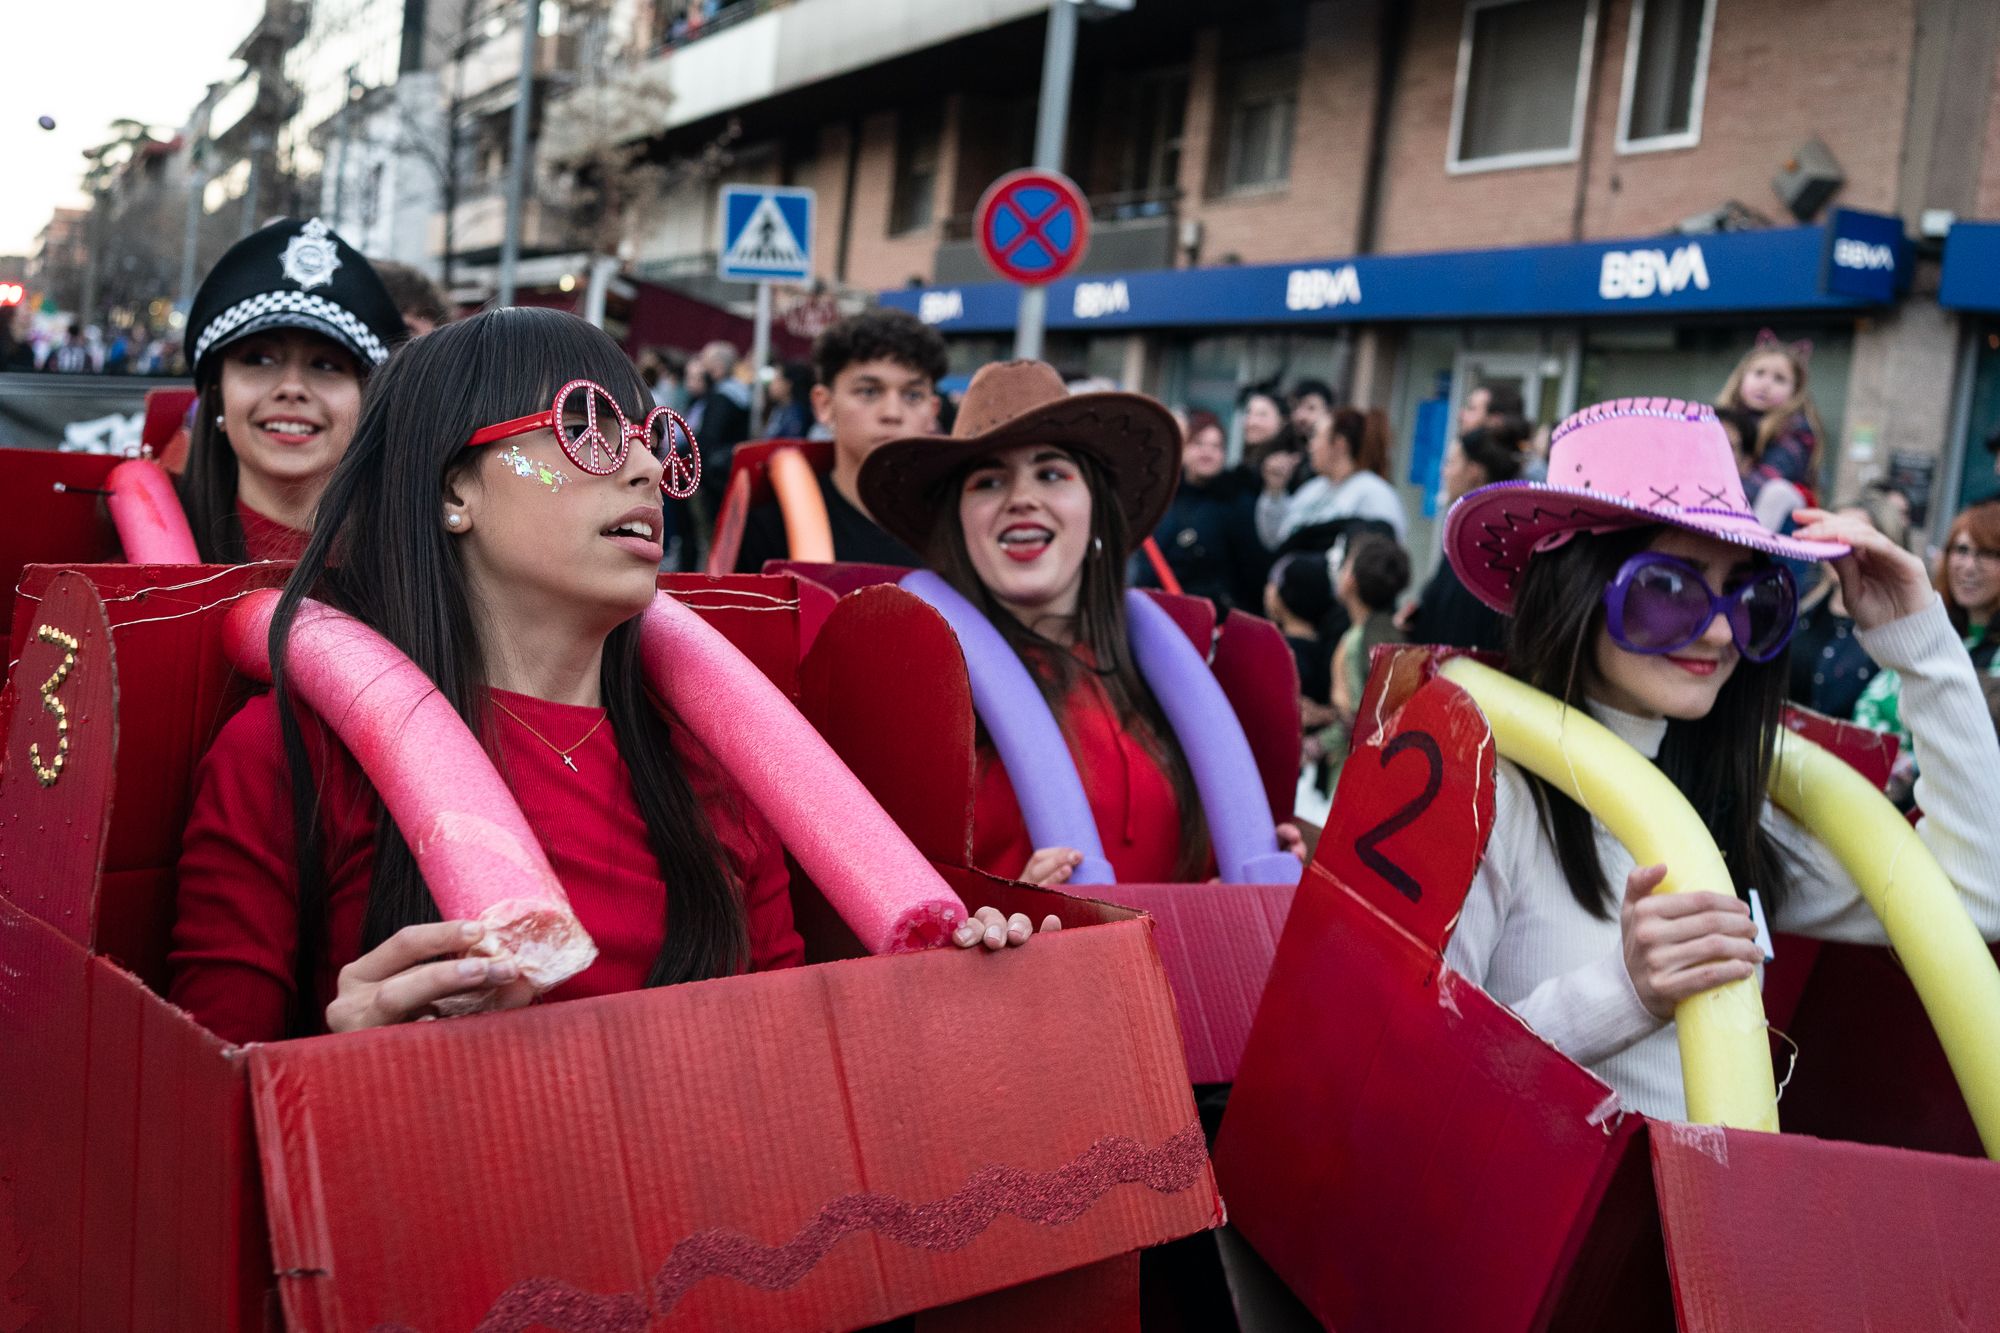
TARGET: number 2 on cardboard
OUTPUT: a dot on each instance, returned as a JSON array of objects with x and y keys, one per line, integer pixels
[{"x": 1368, "y": 845}]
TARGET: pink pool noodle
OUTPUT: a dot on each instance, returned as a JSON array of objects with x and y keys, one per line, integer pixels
[
  {"x": 478, "y": 856},
  {"x": 874, "y": 876},
  {"x": 147, "y": 513}
]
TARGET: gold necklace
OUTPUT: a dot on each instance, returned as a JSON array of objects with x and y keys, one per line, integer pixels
[{"x": 561, "y": 753}]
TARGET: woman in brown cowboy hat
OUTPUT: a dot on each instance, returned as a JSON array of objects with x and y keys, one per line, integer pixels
[{"x": 1029, "y": 510}]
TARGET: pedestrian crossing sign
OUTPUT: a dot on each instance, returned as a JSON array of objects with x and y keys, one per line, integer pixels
[{"x": 766, "y": 234}]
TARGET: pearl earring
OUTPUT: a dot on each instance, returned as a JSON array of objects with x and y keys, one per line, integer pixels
[
  {"x": 218, "y": 421},
  {"x": 454, "y": 520},
  {"x": 1097, "y": 546}
]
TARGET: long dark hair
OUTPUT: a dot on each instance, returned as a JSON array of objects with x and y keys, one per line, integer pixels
[
  {"x": 1100, "y": 627},
  {"x": 1720, "y": 762},
  {"x": 208, "y": 483},
  {"x": 379, "y": 553}
]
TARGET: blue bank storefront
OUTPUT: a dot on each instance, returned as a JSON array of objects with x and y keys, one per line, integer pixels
[
  {"x": 1970, "y": 285},
  {"x": 1566, "y": 324}
]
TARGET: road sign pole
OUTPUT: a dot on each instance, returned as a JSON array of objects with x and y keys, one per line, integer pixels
[
  {"x": 517, "y": 152},
  {"x": 760, "y": 352},
  {"x": 1051, "y": 126}
]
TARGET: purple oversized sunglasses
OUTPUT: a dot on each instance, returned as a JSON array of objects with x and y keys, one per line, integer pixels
[{"x": 1659, "y": 604}]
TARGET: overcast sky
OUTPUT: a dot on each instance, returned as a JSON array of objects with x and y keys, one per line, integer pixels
[{"x": 88, "y": 63}]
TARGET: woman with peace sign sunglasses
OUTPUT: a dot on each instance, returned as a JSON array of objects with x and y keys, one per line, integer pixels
[
  {"x": 1644, "y": 590},
  {"x": 498, "y": 520}
]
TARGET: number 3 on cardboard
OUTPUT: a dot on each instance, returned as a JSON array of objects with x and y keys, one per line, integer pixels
[
  {"x": 53, "y": 705},
  {"x": 1368, "y": 845}
]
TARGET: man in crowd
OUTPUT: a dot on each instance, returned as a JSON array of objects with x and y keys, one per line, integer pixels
[
  {"x": 877, "y": 375},
  {"x": 1312, "y": 407},
  {"x": 72, "y": 355},
  {"x": 416, "y": 296},
  {"x": 1490, "y": 405}
]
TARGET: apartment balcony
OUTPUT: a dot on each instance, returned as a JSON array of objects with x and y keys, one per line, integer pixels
[
  {"x": 480, "y": 223},
  {"x": 489, "y": 69},
  {"x": 259, "y": 100},
  {"x": 1135, "y": 230},
  {"x": 764, "y": 51}
]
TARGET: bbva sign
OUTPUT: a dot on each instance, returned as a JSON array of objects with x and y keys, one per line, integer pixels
[{"x": 1637, "y": 274}]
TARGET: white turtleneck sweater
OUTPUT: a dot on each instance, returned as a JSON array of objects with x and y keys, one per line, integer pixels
[{"x": 1527, "y": 942}]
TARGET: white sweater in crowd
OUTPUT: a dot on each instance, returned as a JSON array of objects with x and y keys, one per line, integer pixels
[
  {"x": 1361, "y": 494},
  {"x": 1527, "y": 942}
]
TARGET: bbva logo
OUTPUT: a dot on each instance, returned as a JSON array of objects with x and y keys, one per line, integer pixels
[
  {"x": 940, "y": 307},
  {"x": 1849, "y": 253},
  {"x": 1318, "y": 288},
  {"x": 1095, "y": 300},
  {"x": 1642, "y": 273}
]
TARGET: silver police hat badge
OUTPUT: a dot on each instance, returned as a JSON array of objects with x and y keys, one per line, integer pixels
[{"x": 310, "y": 257}]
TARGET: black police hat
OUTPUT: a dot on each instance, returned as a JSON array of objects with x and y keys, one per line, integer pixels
[{"x": 294, "y": 274}]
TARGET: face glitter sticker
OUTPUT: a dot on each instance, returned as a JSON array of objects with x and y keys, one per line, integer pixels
[
  {"x": 53, "y": 705},
  {"x": 525, "y": 466}
]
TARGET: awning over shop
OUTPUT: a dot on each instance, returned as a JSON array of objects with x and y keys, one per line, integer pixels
[
  {"x": 1854, "y": 261},
  {"x": 1971, "y": 267}
]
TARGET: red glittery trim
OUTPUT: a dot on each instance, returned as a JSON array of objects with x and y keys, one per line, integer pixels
[{"x": 1049, "y": 1199}]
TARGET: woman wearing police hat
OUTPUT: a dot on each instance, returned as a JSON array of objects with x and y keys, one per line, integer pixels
[{"x": 284, "y": 331}]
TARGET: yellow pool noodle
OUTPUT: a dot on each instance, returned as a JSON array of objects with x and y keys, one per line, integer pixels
[
  {"x": 1725, "y": 1053},
  {"x": 1940, "y": 948}
]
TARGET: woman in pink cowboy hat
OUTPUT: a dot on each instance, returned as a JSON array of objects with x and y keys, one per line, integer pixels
[{"x": 1644, "y": 590}]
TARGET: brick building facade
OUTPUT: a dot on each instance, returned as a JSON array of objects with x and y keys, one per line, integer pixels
[{"x": 1214, "y": 135}]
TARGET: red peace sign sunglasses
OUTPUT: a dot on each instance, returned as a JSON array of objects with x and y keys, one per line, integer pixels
[{"x": 601, "y": 449}]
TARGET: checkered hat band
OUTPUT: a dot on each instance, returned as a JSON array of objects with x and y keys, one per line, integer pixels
[{"x": 357, "y": 333}]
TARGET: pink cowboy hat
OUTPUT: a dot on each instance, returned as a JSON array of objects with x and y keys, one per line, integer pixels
[{"x": 1622, "y": 464}]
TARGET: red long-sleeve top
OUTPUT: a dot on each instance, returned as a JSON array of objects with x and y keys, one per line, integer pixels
[
  {"x": 1138, "y": 817},
  {"x": 236, "y": 930},
  {"x": 267, "y": 539}
]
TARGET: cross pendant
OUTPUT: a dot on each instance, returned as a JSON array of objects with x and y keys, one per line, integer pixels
[{"x": 566, "y": 760}]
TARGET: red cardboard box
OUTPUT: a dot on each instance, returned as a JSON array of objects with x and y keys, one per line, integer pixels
[
  {"x": 885, "y": 683},
  {"x": 1407, "y": 1154},
  {"x": 821, "y": 1148},
  {"x": 43, "y": 524}
]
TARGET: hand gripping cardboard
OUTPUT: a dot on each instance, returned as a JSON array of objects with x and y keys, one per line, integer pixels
[
  {"x": 886, "y": 684},
  {"x": 819, "y": 1148},
  {"x": 1408, "y": 1155}
]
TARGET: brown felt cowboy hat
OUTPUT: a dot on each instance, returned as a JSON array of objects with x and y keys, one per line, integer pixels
[{"x": 1133, "y": 439}]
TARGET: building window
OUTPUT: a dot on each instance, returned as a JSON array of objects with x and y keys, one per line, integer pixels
[
  {"x": 1666, "y": 74},
  {"x": 1523, "y": 67},
  {"x": 1142, "y": 117},
  {"x": 1259, "y": 102},
  {"x": 919, "y": 139}
]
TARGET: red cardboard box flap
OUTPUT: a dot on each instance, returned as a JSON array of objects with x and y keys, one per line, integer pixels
[
  {"x": 1217, "y": 942},
  {"x": 56, "y": 774},
  {"x": 818, "y": 1148},
  {"x": 43, "y": 525},
  {"x": 885, "y": 684},
  {"x": 1783, "y": 1232},
  {"x": 1256, "y": 669},
  {"x": 761, "y": 616}
]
